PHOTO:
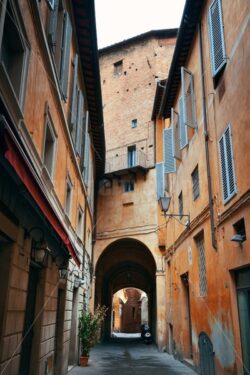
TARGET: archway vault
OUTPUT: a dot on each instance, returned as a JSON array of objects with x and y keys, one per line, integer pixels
[{"x": 125, "y": 263}]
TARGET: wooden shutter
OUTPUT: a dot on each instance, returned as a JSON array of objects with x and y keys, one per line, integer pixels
[
  {"x": 64, "y": 64},
  {"x": 73, "y": 113},
  {"x": 227, "y": 165},
  {"x": 175, "y": 127},
  {"x": 216, "y": 34},
  {"x": 79, "y": 128},
  {"x": 86, "y": 152},
  {"x": 53, "y": 25},
  {"x": 187, "y": 85},
  {"x": 183, "y": 131},
  {"x": 160, "y": 178},
  {"x": 169, "y": 160}
]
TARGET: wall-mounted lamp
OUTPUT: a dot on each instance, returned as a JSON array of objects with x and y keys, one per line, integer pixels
[
  {"x": 165, "y": 203},
  {"x": 78, "y": 282},
  {"x": 39, "y": 248}
]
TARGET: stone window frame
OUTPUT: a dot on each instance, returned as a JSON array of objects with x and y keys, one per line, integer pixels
[{"x": 15, "y": 100}]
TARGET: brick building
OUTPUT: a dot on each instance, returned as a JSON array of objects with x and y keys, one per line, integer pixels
[
  {"x": 50, "y": 133},
  {"x": 202, "y": 133},
  {"x": 127, "y": 252}
]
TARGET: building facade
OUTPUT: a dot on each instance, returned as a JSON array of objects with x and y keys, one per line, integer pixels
[
  {"x": 201, "y": 121},
  {"x": 52, "y": 150},
  {"x": 127, "y": 252}
]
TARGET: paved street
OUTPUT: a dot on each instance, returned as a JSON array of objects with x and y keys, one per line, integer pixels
[{"x": 130, "y": 357}]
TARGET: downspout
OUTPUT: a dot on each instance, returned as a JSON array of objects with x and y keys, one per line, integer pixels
[{"x": 211, "y": 203}]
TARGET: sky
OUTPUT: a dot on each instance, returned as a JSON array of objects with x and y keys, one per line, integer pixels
[{"x": 117, "y": 20}]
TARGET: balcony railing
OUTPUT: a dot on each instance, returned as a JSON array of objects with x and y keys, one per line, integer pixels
[{"x": 122, "y": 164}]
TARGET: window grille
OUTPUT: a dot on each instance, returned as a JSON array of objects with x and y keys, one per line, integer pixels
[
  {"x": 202, "y": 265},
  {"x": 227, "y": 165},
  {"x": 195, "y": 183}
]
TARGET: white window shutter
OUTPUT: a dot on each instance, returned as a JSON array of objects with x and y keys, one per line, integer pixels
[
  {"x": 160, "y": 178},
  {"x": 187, "y": 85},
  {"x": 73, "y": 113},
  {"x": 79, "y": 129},
  {"x": 169, "y": 160},
  {"x": 175, "y": 134},
  {"x": 183, "y": 131},
  {"x": 216, "y": 34},
  {"x": 227, "y": 165},
  {"x": 64, "y": 65}
]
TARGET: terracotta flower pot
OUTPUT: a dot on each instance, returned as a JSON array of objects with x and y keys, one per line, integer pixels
[{"x": 84, "y": 361}]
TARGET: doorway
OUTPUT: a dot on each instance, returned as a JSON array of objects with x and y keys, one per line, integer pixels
[
  {"x": 28, "y": 331},
  {"x": 73, "y": 348},
  {"x": 243, "y": 299},
  {"x": 188, "y": 329},
  {"x": 206, "y": 355}
]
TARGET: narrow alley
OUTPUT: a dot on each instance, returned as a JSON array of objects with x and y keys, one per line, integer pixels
[{"x": 130, "y": 356}]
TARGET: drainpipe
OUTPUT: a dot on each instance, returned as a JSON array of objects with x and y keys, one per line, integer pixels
[{"x": 211, "y": 203}]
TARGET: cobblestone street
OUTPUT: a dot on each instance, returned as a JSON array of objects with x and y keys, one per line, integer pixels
[{"x": 130, "y": 357}]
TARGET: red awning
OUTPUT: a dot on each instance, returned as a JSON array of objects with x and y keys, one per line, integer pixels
[{"x": 22, "y": 166}]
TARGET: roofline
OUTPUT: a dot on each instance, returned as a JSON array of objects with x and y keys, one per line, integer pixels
[
  {"x": 161, "y": 33},
  {"x": 85, "y": 23},
  {"x": 188, "y": 27}
]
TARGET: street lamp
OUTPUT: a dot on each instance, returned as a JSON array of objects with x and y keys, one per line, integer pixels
[{"x": 165, "y": 203}]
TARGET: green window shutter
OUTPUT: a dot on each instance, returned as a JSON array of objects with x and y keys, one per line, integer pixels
[
  {"x": 73, "y": 113},
  {"x": 79, "y": 129},
  {"x": 216, "y": 36},
  {"x": 187, "y": 86},
  {"x": 53, "y": 25},
  {"x": 159, "y": 167},
  {"x": 175, "y": 127},
  {"x": 169, "y": 160},
  {"x": 183, "y": 131},
  {"x": 65, "y": 52},
  {"x": 228, "y": 178}
]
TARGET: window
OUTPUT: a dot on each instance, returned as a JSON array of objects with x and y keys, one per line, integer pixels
[
  {"x": 59, "y": 38},
  {"x": 131, "y": 156},
  {"x": 134, "y": 123},
  {"x": 187, "y": 105},
  {"x": 175, "y": 123},
  {"x": 195, "y": 183},
  {"x": 216, "y": 35},
  {"x": 180, "y": 203},
  {"x": 118, "y": 68},
  {"x": 49, "y": 152},
  {"x": 161, "y": 180},
  {"x": 129, "y": 186},
  {"x": 69, "y": 188},
  {"x": 14, "y": 50},
  {"x": 169, "y": 160},
  {"x": 86, "y": 152},
  {"x": 80, "y": 222},
  {"x": 51, "y": 4},
  {"x": 227, "y": 165},
  {"x": 240, "y": 229},
  {"x": 202, "y": 265}
]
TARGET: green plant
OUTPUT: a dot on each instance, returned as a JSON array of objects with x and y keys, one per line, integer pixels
[{"x": 89, "y": 328}]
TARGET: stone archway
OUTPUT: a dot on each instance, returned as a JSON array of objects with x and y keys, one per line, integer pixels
[{"x": 126, "y": 263}]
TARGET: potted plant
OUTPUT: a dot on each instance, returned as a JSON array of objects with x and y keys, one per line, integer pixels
[{"x": 89, "y": 331}]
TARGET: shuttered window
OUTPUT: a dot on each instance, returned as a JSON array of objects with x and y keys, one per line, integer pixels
[
  {"x": 73, "y": 113},
  {"x": 195, "y": 183},
  {"x": 64, "y": 64},
  {"x": 183, "y": 131},
  {"x": 187, "y": 85},
  {"x": 216, "y": 34},
  {"x": 202, "y": 265},
  {"x": 175, "y": 127},
  {"x": 169, "y": 160},
  {"x": 80, "y": 118},
  {"x": 86, "y": 152},
  {"x": 180, "y": 204},
  {"x": 59, "y": 39},
  {"x": 160, "y": 188},
  {"x": 227, "y": 165}
]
